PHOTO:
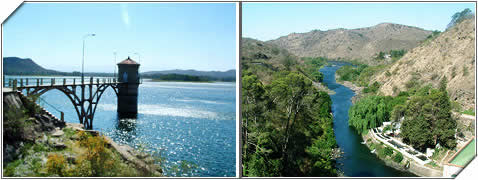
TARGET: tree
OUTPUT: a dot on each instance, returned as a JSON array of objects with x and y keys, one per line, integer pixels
[
  {"x": 459, "y": 17},
  {"x": 369, "y": 112},
  {"x": 428, "y": 119}
]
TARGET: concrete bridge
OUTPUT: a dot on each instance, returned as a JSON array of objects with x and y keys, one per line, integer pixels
[{"x": 85, "y": 94}]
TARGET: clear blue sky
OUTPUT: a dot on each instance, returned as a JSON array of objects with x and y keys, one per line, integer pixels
[
  {"x": 199, "y": 36},
  {"x": 266, "y": 21}
]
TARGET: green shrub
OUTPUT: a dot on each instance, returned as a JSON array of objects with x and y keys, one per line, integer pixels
[
  {"x": 388, "y": 74},
  {"x": 465, "y": 71},
  {"x": 453, "y": 72},
  {"x": 385, "y": 152},
  {"x": 398, "y": 157}
]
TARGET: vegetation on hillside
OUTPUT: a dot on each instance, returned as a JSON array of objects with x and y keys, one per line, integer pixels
[
  {"x": 426, "y": 112},
  {"x": 361, "y": 75},
  {"x": 287, "y": 125},
  {"x": 459, "y": 17},
  {"x": 312, "y": 65},
  {"x": 393, "y": 55}
]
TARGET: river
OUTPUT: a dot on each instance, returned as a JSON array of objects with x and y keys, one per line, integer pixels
[
  {"x": 357, "y": 161},
  {"x": 195, "y": 122}
]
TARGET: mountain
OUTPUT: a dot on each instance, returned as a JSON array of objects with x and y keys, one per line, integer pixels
[
  {"x": 362, "y": 44},
  {"x": 214, "y": 74},
  {"x": 451, "y": 54},
  {"x": 17, "y": 66}
]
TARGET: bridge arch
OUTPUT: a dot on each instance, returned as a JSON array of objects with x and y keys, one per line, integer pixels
[{"x": 85, "y": 113}]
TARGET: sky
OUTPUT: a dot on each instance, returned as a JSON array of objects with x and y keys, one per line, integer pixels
[
  {"x": 267, "y": 21},
  {"x": 161, "y": 36}
]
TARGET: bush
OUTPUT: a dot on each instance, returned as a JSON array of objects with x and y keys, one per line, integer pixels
[
  {"x": 385, "y": 152},
  {"x": 453, "y": 72},
  {"x": 56, "y": 164},
  {"x": 398, "y": 157},
  {"x": 388, "y": 74},
  {"x": 465, "y": 71},
  {"x": 13, "y": 124}
]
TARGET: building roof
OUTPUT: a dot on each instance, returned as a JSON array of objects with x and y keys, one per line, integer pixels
[{"x": 128, "y": 61}]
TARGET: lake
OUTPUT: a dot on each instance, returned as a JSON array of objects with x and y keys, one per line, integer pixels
[
  {"x": 194, "y": 122},
  {"x": 357, "y": 161}
]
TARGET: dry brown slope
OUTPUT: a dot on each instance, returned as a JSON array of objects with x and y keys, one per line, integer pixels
[
  {"x": 451, "y": 54},
  {"x": 362, "y": 43}
]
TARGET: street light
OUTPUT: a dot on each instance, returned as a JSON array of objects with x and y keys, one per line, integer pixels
[
  {"x": 139, "y": 57},
  {"x": 114, "y": 72},
  {"x": 83, "y": 59}
]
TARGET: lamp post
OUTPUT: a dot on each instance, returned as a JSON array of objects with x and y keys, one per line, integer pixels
[
  {"x": 83, "y": 59},
  {"x": 114, "y": 72},
  {"x": 139, "y": 58}
]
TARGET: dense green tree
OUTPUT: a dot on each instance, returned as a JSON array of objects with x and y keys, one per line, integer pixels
[
  {"x": 428, "y": 119},
  {"x": 287, "y": 127}
]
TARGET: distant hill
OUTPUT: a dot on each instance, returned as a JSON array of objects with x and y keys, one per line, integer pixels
[
  {"x": 215, "y": 75},
  {"x": 362, "y": 44},
  {"x": 19, "y": 66},
  {"x": 450, "y": 54}
]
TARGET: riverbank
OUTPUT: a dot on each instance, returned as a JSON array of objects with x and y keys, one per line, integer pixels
[
  {"x": 358, "y": 90},
  {"x": 406, "y": 164},
  {"x": 371, "y": 143}
]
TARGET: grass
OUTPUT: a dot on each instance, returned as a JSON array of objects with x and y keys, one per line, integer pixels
[
  {"x": 432, "y": 164},
  {"x": 469, "y": 112}
]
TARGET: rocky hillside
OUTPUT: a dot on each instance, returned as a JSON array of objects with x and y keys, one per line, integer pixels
[
  {"x": 450, "y": 55},
  {"x": 362, "y": 44}
]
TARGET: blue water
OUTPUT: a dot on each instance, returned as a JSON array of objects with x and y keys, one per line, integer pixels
[
  {"x": 357, "y": 161},
  {"x": 195, "y": 122}
]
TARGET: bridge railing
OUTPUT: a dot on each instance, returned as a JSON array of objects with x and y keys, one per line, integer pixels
[{"x": 32, "y": 82}]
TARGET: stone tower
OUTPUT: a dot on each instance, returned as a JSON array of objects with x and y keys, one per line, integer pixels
[{"x": 128, "y": 78}]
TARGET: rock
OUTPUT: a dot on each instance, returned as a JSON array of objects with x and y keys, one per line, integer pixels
[
  {"x": 71, "y": 159},
  {"x": 58, "y": 133},
  {"x": 75, "y": 126},
  {"x": 8, "y": 153},
  {"x": 75, "y": 137},
  {"x": 92, "y": 132},
  {"x": 29, "y": 134},
  {"x": 142, "y": 155},
  {"x": 149, "y": 160},
  {"x": 59, "y": 145}
]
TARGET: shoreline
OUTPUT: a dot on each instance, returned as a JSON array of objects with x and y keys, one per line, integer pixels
[
  {"x": 413, "y": 168},
  {"x": 356, "y": 89}
]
